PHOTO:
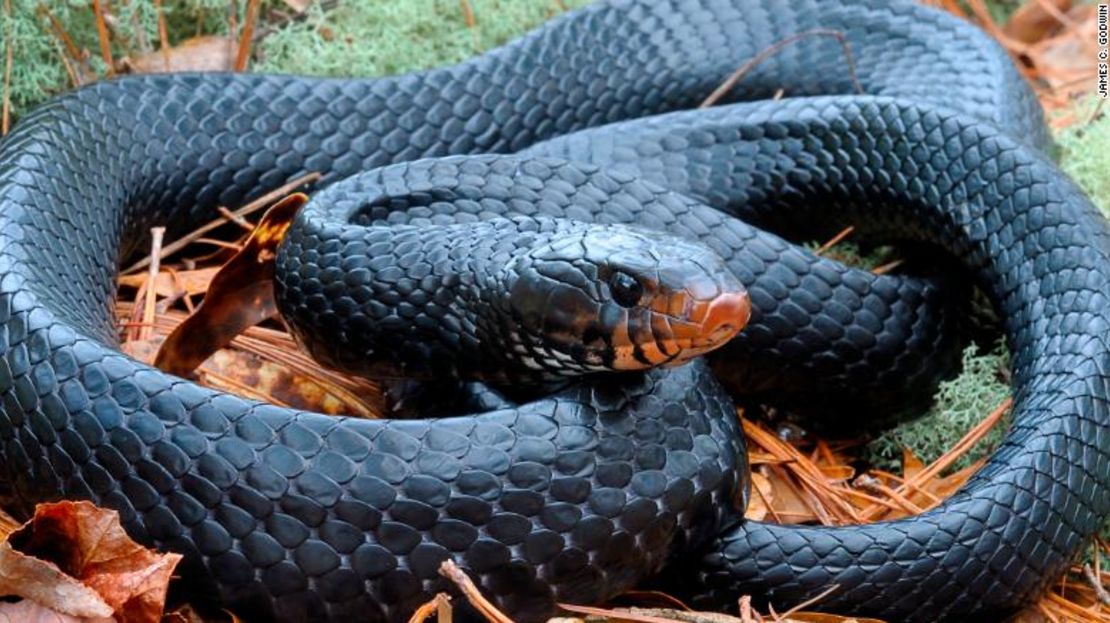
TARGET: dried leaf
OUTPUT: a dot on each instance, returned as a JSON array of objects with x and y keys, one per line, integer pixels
[
  {"x": 911, "y": 465},
  {"x": 247, "y": 373},
  {"x": 207, "y": 53},
  {"x": 787, "y": 502},
  {"x": 1068, "y": 60},
  {"x": 763, "y": 494},
  {"x": 89, "y": 544},
  {"x": 43, "y": 582},
  {"x": 839, "y": 473},
  {"x": 1032, "y": 21},
  {"x": 240, "y": 295},
  {"x": 28, "y": 611}
]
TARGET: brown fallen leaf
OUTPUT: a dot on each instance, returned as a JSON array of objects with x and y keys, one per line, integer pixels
[
  {"x": 89, "y": 545},
  {"x": 207, "y": 53},
  {"x": 1068, "y": 59},
  {"x": 240, "y": 295},
  {"x": 255, "y": 376},
  {"x": 762, "y": 498},
  {"x": 43, "y": 582},
  {"x": 1036, "y": 20},
  {"x": 28, "y": 611},
  {"x": 911, "y": 465}
]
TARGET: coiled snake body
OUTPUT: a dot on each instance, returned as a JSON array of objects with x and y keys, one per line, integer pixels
[{"x": 296, "y": 516}]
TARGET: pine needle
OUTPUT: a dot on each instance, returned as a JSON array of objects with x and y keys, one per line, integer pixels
[
  {"x": 246, "y": 37},
  {"x": 102, "y": 35}
]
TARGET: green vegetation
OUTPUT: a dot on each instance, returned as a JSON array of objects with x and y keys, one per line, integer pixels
[
  {"x": 960, "y": 404},
  {"x": 1085, "y": 154},
  {"x": 380, "y": 38},
  {"x": 353, "y": 38}
]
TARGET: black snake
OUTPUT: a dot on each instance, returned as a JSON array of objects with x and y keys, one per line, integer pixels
[{"x": 576, "y": 497}]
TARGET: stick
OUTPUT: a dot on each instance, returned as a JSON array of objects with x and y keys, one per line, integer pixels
[
  {"x": 247, "y": 36},
  {"x": 837, "y": 239},
  {"x": 254, "y": 206},
  {"x": 163, "y": 34},
  {"x": 146, "y": 331},
  {"x": 102, "y": 34},
  {"x": 451, "y": 571}
]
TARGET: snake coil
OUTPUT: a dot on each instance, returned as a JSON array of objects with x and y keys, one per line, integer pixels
[{"x": 295, "y": 516}]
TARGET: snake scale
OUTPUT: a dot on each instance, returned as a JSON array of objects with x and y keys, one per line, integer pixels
[{"x": 580, "y": 495}]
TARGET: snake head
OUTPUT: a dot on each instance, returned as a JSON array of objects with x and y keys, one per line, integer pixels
[{"x": 618, "y": 298}]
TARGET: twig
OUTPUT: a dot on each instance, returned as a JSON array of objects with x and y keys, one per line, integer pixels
[
  {"x": 152, "y": 276},
  {"x": 435, "y": 605},
  {"x": 102, "y": 35},
  {"x": 232, "y": 28},
  {"x": 468, "y": 14},
  {"x": 812, "y": 600},
  {"x": 886, "y": 268},
  {"x": 747, "y": 614},
  {"x": 1047, "y": 613},
  {"x": 872, "y": 484},
  {"x": 962, "y": 446},
  {"x": 837, "y": 239},
  {"x": 451, "y": 571},
  {"x": 444, "y": 610},
  {"x": 223, "y": 244},
  {"x": 163, "y": 34},
  {"x": 617, "y": 615},
  {"x": 1096, "y": 584},
  {"x": 67, "y": 41},
  {"x": 68, "y": 50},
  {"x": 247, "y": 36},
  {"x": 773, "y": 49},
  {"x": 235, "y": 218},
  {"x": 254, "y": 206},
  {"x": 902, "y": 482}
]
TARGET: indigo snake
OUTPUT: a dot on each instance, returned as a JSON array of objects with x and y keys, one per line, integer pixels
[{"x": 577, "y": 496}]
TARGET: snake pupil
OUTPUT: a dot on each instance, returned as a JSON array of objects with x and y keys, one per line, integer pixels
[{"x": 626, "y": 290}]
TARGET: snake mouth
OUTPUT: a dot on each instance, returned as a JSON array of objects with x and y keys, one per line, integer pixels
[
  {"x": 718, "y": 321},
  {"x": 704, "y": 325},
  {"x": 725, "y": 316}
]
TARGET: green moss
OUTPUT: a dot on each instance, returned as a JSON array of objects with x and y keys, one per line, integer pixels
[
  {"x": 960, "y": 404},
  {"x": 38, "y": 71},
  {"x": 1085, "y": 154},
  {"x": 354, "y": 38},
  {"x": 378, "y": 38}
]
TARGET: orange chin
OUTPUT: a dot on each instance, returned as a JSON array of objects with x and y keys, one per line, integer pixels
[{"x": 709, "y": 325}]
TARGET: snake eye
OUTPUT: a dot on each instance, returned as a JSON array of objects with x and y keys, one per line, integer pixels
[{"x": 626, "y": 289}]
